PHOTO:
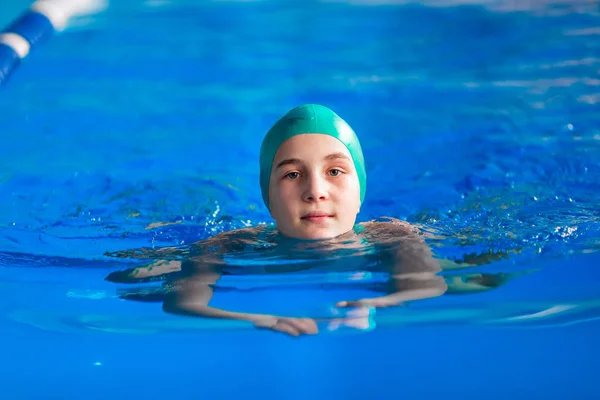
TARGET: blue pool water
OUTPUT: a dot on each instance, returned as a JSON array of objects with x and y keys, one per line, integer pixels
[{"x": 140, "y": 127}]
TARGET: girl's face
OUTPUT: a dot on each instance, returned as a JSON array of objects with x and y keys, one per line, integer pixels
[{"x": 314, "y": 192}]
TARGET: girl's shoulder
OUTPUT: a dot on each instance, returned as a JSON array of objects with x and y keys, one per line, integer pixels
[
  {"x": 245, "y": 235},
  {"x": 233, "y": 240},
  {"x": 383, "y": 227}
]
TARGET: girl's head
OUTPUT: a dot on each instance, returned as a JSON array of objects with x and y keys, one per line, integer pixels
[{"x": 312, "y": 173}]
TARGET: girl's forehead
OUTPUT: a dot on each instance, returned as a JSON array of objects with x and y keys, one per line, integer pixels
[{"x": 311, "y": 143}]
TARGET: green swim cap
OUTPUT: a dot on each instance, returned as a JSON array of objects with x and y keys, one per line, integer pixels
[{"x": 309, "y": 118}]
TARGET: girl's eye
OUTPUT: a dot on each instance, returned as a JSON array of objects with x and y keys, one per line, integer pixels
[
  {"x": 335, "y": 172},
  {"x": 292, "y": 175}
]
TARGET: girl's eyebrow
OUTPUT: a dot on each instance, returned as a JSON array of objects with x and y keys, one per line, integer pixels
[
  {"x": 288, "y": 162},
  {"x": 329, "y": 157},
  {"x": 335, "y": 156}
]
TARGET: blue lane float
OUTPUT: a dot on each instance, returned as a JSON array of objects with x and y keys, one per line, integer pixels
[
  {"x": 9, "y": 59},
  {"x": 43, "y": 19}
]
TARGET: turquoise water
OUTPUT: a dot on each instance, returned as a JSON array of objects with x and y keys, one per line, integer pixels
[{"x": 140, "y": 127}]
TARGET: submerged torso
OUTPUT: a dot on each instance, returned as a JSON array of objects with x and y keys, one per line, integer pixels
[{"x": 263, "y": 250}]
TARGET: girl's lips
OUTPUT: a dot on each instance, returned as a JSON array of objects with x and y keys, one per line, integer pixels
[
  {"x": 317, "y": 219},
  {"x": 317, "y": 216}
]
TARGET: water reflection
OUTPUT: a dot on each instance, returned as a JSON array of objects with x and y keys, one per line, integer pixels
[{"x": 388, "y": 263}]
